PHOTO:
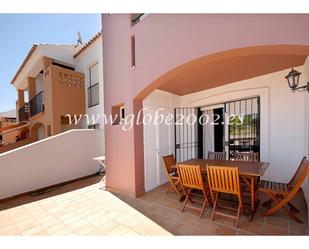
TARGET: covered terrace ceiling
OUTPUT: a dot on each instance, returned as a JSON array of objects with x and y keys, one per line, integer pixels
[{"x": 233, "y": 66}]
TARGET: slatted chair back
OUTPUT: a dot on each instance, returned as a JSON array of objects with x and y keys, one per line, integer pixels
[
  {"x": 191, "y": 176},
  {"x": 168, "y": 161},
  {"x": 216, "y": 155},
  {"x": 298, "y": 172},
  {"x": 248, "y": 157},
  {"x": 282, "y": 194},
  {"x": 223, "y": 179},
  {"x": 171, "y": 173}
]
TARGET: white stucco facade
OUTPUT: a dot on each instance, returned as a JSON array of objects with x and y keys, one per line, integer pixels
[{"x": 91, "y": 56}]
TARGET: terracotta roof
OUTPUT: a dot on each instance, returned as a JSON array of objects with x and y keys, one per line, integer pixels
[
  {"x": 34, "y": 46},
  {"x": 86, "y": 45}
]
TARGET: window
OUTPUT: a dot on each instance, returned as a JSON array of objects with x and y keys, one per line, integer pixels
[
  {"x": 93, "y": 89},
  {"x": 122, "y": 113},
  {"x": 118, "y": 114},
  {"x": 132, "y": 51},
  {"x": 136, "y": 18},
  {"x": 94, "y": 126}
]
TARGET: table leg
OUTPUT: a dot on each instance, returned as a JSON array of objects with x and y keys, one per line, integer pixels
[
  {"x": 252, "y": 186},
  {"x": 254, "y": 197},
  {"x": 102, "y": 167}
]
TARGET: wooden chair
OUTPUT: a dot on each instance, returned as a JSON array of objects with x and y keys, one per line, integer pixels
[
  {"x": 216, "y": 155},
  {"x": 248, "y": 157},
  {"x": 282, "y": 193},
  {"x": 172, "y": 175},
  {"x": 225, "y": 180},
  {"x": 191, "y": 179},
  {"x": 245, "y": 156}
]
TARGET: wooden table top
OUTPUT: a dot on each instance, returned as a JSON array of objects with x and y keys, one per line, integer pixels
[{"x": 245, "y": 168}]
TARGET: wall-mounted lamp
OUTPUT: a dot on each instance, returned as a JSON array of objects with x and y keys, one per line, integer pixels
[{"x": 293, "y": 81}]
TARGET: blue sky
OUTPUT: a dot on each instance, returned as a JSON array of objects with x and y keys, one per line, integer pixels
[{"x": 19, "y": 31}]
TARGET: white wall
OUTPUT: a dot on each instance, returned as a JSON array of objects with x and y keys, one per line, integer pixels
[
  {"x": 284, "y": 117},
  {"x": 305, "y": 78},
  {"x": 39, "y": 83},
  {"x": 92, "y": 55},
  {"x": 61, "y": 53},
  {"x": 41, "y": 132},
  {"x": 53, "y": 160},
  {"x": 283, "y": 143}
]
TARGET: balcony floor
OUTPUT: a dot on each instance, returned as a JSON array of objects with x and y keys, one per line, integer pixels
[{"x": 85, "y": 208}]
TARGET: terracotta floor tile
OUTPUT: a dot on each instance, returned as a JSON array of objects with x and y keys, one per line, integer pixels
[
  {"x": 9, "y": 230},
  {"x": 35, "y": 231},
  {"x": 224, "y": 230},
  {"x": 168, "y": 224},
  {"x": 241, "y": 232},
  {"x": 53, "y": 229},
  {"x": 83, "y": 208},
  {"x": 191, "y": 220},
  {"x": 72, "y": 220},
  {"x": 270, "y": 230},
  {"x": 176, "y": 215},
  {"x": 84, "y": 230},
  {"x": 207, "y": 225},
  {"x": 230, "y": 221},
  {"x": 182, "y": 229},
  {"x": 148, "y": 227},
  {"x": 297, "y": 228},
  {"x": 173, "y": 204},
  {"x": 132, "y": 233},
  {"x": 26, "y": 225},
  {"x": 100, "y": 221},
  {"x": 201, "y": 232},
  {"x": 252, "y": 227},
  {"x": 108, "y": 226},
  {"x": 119, "y": 230},
  {"x": 78, "y": 224},
  {"x": 277, "y": 222}
]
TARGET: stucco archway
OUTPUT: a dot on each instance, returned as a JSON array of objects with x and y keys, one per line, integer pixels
[
  {"x": 38, "y": 131},
  {"x": 216, "y": 70},
  {"x": 210, "y": 69}
]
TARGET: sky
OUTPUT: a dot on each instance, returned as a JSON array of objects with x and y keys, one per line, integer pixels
[{"x": 19, "y": 31}]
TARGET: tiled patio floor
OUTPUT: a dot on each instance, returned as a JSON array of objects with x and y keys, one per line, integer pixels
[
  {"x": 164, "y": 209},
  {"x": 79, "y": 208},
  {"x": 85, "y": 208}
]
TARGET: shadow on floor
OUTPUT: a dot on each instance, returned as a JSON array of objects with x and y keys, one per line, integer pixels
[{"x": 165, "y": 210}]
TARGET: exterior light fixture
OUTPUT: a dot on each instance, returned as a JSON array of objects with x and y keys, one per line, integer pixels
[{"x": 293, "y": 81}]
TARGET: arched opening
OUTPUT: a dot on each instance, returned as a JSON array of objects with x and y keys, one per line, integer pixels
[
  {"x": 208, "y": 85},
  {"x": 24, "y": 133},
  {"x": 229, "y": 66},
  {"x": 38, "y": 131}
]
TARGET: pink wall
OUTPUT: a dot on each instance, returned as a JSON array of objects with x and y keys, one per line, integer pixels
[{"x": 164, "y": 42}]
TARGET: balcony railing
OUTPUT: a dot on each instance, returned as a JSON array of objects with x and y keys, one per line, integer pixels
[
  {"x": 36, "y": 104},
  {"x": 24, "y": 112},
  {"x": 93, "y": 95}
]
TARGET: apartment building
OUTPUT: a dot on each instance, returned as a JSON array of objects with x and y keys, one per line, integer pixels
[{"x": 54, "y": 81}]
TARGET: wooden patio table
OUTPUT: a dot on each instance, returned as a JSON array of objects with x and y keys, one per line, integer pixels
[{"x": 247, "y": 170}]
